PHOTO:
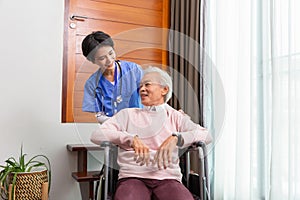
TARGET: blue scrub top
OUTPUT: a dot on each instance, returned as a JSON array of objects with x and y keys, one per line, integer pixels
[{"x": 102, "y": 96}]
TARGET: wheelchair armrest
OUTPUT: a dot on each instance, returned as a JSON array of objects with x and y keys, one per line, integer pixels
[
  {"x": 202, "y": 145},
  {"x": 199, "y": 144},
  {"x": 106, "y": 144}
]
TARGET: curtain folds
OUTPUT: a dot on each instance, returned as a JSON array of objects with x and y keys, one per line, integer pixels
[{"x": 185, "y": 56}]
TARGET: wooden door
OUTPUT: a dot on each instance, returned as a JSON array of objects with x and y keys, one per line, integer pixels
[{"x": 136, "y": 26}]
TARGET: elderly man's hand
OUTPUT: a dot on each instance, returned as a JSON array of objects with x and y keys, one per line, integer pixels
[
  {"x": 163, "y": 156},
  {"x": 141, "y": 151}
]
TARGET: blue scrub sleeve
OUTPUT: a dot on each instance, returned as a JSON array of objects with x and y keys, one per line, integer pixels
[{"x": 88, "y": 103}]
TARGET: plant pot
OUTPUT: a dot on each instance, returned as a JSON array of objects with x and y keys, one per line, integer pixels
[{"x": 29, "y": 186}]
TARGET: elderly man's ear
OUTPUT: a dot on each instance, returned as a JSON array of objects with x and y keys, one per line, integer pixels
[{"x": 165, "y": 90}]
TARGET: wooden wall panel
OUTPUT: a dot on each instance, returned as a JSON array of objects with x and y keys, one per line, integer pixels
[
  {"x": 111, "y": 27},
  {"x": 78, "y": 100},
  {"x": 80, "y": 116},
  {"x": 120, "y": 13},
  {"x": 148, "y": 4},
  {"x": 123, "y": 46},
  {"x": 84, "y": 66}
]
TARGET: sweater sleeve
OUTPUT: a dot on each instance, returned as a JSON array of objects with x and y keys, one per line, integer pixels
[
  {"x": 192, "y": 132},
  {"x": 112, "y": 131}
]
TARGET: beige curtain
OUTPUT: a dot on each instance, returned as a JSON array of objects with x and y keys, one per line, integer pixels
[{"x": 186, "y": 56}]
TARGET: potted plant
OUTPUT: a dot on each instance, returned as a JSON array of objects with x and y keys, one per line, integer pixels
[{"x": 19, "y": 178}]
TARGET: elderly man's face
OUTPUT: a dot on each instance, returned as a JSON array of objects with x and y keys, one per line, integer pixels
[{"x": 151, "y": 91}]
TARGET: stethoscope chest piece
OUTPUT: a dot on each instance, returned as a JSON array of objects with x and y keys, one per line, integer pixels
[{"x": 119, "y": 99}]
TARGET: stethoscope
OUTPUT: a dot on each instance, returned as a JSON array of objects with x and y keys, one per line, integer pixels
[{"x": 118, "y": 98}]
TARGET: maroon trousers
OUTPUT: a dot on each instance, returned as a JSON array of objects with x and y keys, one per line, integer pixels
[{"x": 150, "y": 189}]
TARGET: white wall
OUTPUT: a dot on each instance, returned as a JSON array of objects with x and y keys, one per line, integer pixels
[{"x": 31, "y": 49}]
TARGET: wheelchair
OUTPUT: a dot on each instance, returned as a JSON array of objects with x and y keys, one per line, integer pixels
[{"x": 197, "y": 181}]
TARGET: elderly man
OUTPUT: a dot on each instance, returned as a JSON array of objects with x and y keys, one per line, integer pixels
[{"x": 149, "y": 139}]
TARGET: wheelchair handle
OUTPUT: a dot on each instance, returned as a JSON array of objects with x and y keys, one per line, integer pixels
[
  {"x": 106, "y": 144},
  {"x": 199, "y": 144}
]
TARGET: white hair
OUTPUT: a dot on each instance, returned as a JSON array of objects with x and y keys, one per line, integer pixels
[{"x": 165, "y": 80}]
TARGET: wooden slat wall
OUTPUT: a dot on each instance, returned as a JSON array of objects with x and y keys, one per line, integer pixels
[
  {"x": 153, "y": 4},
  {"x": 135, "y": 26},
  {"x": 120, "y": 13}
]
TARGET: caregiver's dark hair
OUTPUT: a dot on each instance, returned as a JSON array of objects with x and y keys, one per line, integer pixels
[{"x": 92, "y": 42}]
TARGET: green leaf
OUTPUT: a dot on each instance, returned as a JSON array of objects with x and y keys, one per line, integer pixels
[
  {"x": 11, "y": 163},
  {"x": 13, "y": 185},
  {"x": 2, "y": 166}
]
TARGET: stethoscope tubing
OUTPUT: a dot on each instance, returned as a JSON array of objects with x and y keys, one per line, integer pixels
[{"x": 117, "y": 98}]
